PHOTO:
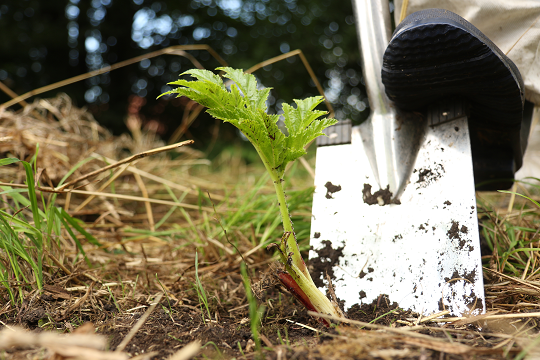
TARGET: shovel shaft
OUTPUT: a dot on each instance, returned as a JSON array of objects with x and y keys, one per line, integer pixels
[
  {"x": 379, "y": 132},
  {"x": 374, "y": 32}
]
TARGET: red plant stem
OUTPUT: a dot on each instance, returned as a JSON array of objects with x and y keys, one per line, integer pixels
[
  {"x": 294, "y": 289},
  {"x": 297, "y": 292}
]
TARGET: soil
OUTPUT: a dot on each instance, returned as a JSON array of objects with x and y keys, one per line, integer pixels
[
  {"x": 324, "y": 263},
  {"x": 429, "y": 175},
  {"x": 379, "y": 307},
  {"x": 330, "y": 189},
  {"x": 455, "y": 233},
  {"x": 472, "y": 300},
  {"x": 177, "y": 322},
  {"x": 379, "y": 197},
  {"x": 173, "y": 324},
  {"x": 363, "y": 273}
]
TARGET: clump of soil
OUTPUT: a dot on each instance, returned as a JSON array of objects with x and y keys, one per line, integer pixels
[
  {"x": 429, "y": 175},
  {"x": 378, "y": 308},
  {"x": 379, "y": 197},
  {"x": 330, "y": 189},
  {"x": 455, "y": 233},
  {"x": 363, "y": 273},
  {"x": 325, "y": 262}
]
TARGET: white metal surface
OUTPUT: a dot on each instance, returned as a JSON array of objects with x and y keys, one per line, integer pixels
[{"x": 423, "y": 253}]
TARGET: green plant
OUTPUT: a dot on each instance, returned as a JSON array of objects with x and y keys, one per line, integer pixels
[
  {"x": 114, "y": 300},
  {"x": 281, "y": 341},
  {"x": 31, "y": 227},
  {"x": 240, "y": 349},
  {"x": 201, "y": 293},
  {"x": 523, "y": 196},
  {"x": 219, "y": 353},
  {"x": 244, "y": 106},
  {"x": 255, "y": 312}
]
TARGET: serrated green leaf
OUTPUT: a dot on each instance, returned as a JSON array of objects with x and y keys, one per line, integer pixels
[
  {"x": 301, "y": 117},
  {"x": 303, "y": 126},
  {"x": 205, "y": 75},
  {"x": 247, "y": 83},
  {"x": 244, "y": 106},
  {"x": 276, "y": 140}
]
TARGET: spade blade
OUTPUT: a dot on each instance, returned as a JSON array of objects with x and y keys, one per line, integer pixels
[{"x": 422, "y": 250}]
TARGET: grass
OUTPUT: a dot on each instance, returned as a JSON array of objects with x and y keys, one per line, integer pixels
[
  {"x": 31, "y": 235},
  {"x": 201, "y": 293},
  {"x": 512, "y": 237},
  {"x": 256, "y": 312}
]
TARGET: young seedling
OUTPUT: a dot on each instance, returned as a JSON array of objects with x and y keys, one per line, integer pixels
[{"x": 244, "y": 106}]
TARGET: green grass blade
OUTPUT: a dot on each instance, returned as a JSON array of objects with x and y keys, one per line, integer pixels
[
  {"x": 32, "y": 194},
  {"x": 523, "y": 196},
  {"x": 74, "y": 168},
  {"x": 200, "y": 289},
  {"x": 8, "y": 161},
  {"x": 74, "y": 237},
  {"x": 79, "y": 228}
]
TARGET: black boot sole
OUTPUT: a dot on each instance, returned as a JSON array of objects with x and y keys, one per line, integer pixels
[{"x": 436, "y": 54}]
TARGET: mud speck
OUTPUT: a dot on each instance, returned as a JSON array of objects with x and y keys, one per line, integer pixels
[
  {"x": 441, "y": 305},
  {"x": 317, "y": 235},
  {"x": 362, "y": 294},
  {"x": 330, "y": 189},
  {"x": 429, "y": 175},
  {"x": 424, "y": 174},
  {"x": 363, "y": 273},
  {"x": 447, "y": 203},
  {"x": 325, "y": 262},
  {"x": 379, "y": 197},
  {"x": 455, "y": 233},
  {"x": 469, "y": 277}
]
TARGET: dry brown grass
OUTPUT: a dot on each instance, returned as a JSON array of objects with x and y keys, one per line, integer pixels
[{"x": 151, "y": 216}]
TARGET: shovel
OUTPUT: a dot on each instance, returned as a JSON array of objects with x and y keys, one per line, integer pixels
[{"x": 394, "y": 210}]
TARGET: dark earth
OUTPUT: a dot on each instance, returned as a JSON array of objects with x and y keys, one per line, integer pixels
[
  {"x": 173, "y": 324},
  {"x": 379, "y": 197},
  {"x": 324, "y": 263},
  {"x": 455, "y": 233},
  {"x": 330, "y": 189}
]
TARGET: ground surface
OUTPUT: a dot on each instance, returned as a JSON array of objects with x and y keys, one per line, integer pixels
[{"x": 180, "y": 257}]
